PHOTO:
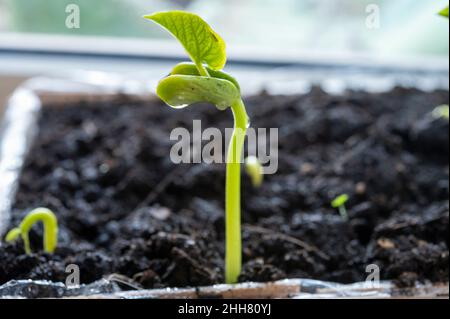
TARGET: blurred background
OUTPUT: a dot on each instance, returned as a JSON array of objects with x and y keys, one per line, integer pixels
[
  {"x": 406, "y": 26},
  {"x": 112, "y": 37}
]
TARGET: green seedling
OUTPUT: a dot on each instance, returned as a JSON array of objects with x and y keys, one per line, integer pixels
[
  {"x": 441, "y": 112},
  {"x": 204, "y": 81},
  {"x": 48, "y": 218},
  {"x": 445, "y": 12},
  {"x": 254, "y": 169},
  {"x": 339, "y": 203}
]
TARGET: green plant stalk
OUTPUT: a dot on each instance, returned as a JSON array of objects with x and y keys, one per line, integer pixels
[
  {"x": 343, "y": 212},
  {"x": 48, "y": 218},
  {"x": 186, "y": 86},
  {"x": 202, "y": 70},
  {"x": 233, "y": 256},
  {"x": 233, "y": 246},
  {"x": 50, "y": 229}
]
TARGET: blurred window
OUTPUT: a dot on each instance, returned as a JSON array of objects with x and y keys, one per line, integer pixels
[{"x": 405, "y": 26}]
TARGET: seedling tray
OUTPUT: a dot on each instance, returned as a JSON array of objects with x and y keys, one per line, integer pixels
[{"x": 18, "y": 130}]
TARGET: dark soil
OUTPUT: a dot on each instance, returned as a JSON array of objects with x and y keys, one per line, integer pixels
[{"x": 124, "y": 208}]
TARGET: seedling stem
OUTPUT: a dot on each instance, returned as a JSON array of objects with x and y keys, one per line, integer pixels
[{"x": 48, "y": 218}]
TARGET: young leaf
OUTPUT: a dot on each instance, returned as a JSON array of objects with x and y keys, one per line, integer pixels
[
  {"x": 180, "y": 91},
  {"x": 340, "y": 201},
  {"x": 445, "y": 12},
  {"x": 199, "y": 40}
]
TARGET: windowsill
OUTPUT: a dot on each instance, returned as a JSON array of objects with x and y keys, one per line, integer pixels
[
  {"x": 147, "y": 61},
  {"x": 145, "y": 50}
]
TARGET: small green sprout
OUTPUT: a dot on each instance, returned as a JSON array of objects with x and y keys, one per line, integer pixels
[
  {"x": 254, "y": 169},
  {"x": 204, "y": 81},
  {"x": 48, "y": 218},
  {"x": 339, "y": 203},
  {"x": 441, "y": 112},
  {"x": 445, "y": 12}
]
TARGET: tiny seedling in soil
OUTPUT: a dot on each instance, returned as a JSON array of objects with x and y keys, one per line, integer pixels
[
  {"x": 339, "y": 203},
  {"x": 444, "y": 12},
  {"x": 254, "y": 170},
  {"x": 203, "y": 81},
  {"x": 442, "y": 112},
  {"x": 48, "y": 218}
]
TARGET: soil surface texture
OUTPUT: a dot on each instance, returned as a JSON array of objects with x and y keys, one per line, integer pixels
[{"x": 124, "y": 208}]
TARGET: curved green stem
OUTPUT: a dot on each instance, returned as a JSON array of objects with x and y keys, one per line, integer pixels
[
  {"x": 233, "y": 249},
  {"x": 233, "y": 262},
  {"x": 13, "y": 234},
  {"x": 48, "y": 218}
]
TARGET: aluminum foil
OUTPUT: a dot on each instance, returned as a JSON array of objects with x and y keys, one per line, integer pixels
[
  {"x": 110, "y": 288},
  {"x": 16, "y": 135}
]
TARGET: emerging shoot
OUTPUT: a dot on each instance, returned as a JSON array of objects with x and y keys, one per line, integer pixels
[
  {"x": 445, "y": 12},
  {"x": 254, "y": 169},
  {"x": 441, "y": 112},
  {"x": 48, "y": 218},
  {"x": 203, "y": 81},
  {"x": 339, "y": 203}
]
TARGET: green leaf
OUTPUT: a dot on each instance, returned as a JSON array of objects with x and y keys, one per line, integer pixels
[
  {"x": 200, "y": 41},
  {"x": 444, "y": 12},
  {"x": 186, "y": 68},
  {"x": 180, "y": 91},
  {"x": 340, "y": 201}
]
